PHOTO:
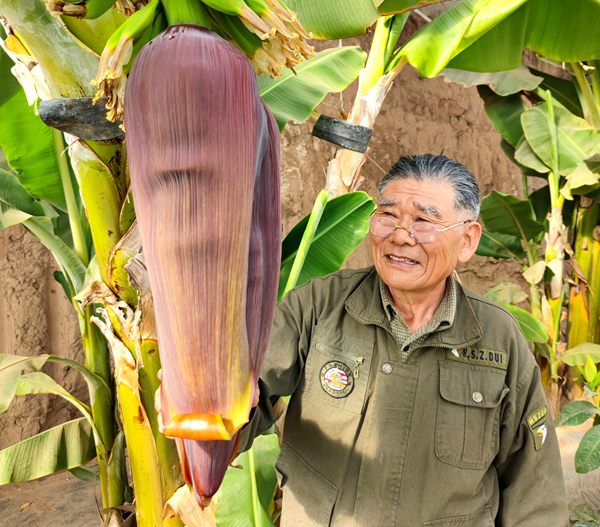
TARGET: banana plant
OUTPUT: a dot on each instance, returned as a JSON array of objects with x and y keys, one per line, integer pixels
[
  {"x": 98, "y": 174},
  {"x": 93, "y": 176},
  {"x": 555, "y": 139}
]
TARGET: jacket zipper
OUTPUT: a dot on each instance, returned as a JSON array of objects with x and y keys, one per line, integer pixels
[{"x": 336, "y": 351}]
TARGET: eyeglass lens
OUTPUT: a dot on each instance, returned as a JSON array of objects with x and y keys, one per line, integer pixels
[{"x": 418, "y": 231}]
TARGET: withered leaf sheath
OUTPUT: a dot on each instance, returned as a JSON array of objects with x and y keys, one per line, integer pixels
[{"x": 204, "y": 159}]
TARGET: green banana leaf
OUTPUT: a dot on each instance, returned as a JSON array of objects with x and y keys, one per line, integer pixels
[
  {"x": 576, "y": 413},
  {"x": 527, "y": 158},
  {"x": 307, "y": 239},
  {"x": 587, "y": 457},
  {"x": 499, "y": 245},
  {"x": 577, "y": 139},
  {"x": 563, "y": 91},
  {"x": 490, "y": 36},
  {"x": 342, "y": 227},
  {"x": 511, "y": 152},
  {"x": 11, "y": 367},
  {"x": 43, "y": 230},
  {"x": 532, "y": 328},
  {"x": 503, "y": 82},
  {"x": 63, "y": 447},
  {"x": 247, "y": 492},
  {"x": 507, "y": 214},
  {"x": 67, "y": 66},
  {"x": 555, "y": 29},
  {"x": 578, "y": 355},
  {"x": 40, "y": 383},
  {"x": 333, "y": 19},
  {"x": 506, "y": 293},
  {"x": 390, "y": 7},
  {"x": 27, "y": 142},
  {"x": 504, "y": 113},
  {"x": 294, "y": 96},
  {"x": 16, "y": 204}
]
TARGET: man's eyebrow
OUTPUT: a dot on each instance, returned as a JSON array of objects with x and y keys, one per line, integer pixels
[
  {"x": 387, "y": 202},
  {"x": 429, "y": 210}
]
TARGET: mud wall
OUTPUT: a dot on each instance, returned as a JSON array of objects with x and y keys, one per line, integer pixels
[{"x": 419, "y": 115}]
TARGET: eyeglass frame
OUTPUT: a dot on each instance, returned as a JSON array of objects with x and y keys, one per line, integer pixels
[{"x": 407, "y": 229}]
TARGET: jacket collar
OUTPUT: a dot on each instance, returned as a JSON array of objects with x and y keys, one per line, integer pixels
[{"x": 366, "y": 306}]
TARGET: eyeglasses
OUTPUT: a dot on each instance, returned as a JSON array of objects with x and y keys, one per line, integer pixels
[{"x": 419, "y": 231}]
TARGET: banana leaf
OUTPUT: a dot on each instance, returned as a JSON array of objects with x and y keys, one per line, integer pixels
[
  {"x": 506, "y": 293},
  {"x": 503, "y": 83},
  {"x": 553, "y": 28},
  {"x": 507, "y": 214},
  {"x": 578, "y": 355},
  {"x": 295, "y": 95},
  {"x": 16, "y": 204},
  {"x": 333, "y": 19},
  {"x": 577, "y": 139},
  {"x": 27, "y": 142},
  {"x": 490, "y": 36},
  {"x": 342, "y": 227},
  {"x": 499, "y": 245},
  {"x": 505, "y": 114},
  {"x": 307, "y": 239},
  {"x": 563, "y": 91},
  {"x": 532, "y": 328},
  {"x": 248, "y": 492},
  {"x": 587, "y": 457},
  {"x": 63, "y": 447},
  {"x": 576, "y": 413},
  {"x": 390, "y": 7}
]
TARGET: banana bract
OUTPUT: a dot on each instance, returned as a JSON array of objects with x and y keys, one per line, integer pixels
[{"x": 204, "y": 159}]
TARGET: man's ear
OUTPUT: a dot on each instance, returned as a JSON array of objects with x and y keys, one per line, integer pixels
[{"x": 470, "y": 241}]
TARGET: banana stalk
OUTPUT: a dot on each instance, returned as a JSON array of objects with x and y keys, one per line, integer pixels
[
  {"x": 582, "y": 308},
  {"x": 206, "y": 195},
  {"x": 375, "y": 81},
  {"x": 101, "y": 198}
]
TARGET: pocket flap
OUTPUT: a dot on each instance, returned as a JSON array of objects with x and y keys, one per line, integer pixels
[{"x": 470, "y": 385}]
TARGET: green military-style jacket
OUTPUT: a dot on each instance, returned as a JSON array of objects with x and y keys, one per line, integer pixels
[{"x": 458, "y": 436}]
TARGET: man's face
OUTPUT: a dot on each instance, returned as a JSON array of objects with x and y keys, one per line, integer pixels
[{"x": 407, "y": 266}]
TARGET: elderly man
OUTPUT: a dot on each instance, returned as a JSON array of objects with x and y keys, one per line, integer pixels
[{"x": 414, "y": 400}]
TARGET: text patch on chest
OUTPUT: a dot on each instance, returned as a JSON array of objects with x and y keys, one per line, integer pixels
[{"x": 480, "y": 356}]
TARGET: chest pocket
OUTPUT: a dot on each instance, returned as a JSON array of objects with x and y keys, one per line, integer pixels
[
  {"x": 468, "y": 414},
  {"x": 337, "y": 369}
]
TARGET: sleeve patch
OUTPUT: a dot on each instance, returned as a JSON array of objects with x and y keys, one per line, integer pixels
[{"x": 536, "y": 421}]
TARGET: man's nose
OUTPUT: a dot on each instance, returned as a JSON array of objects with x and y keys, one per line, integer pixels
[{"x": 401, "y": 237}]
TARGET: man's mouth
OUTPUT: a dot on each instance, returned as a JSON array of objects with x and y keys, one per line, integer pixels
[{"x": 402, "y": 259}]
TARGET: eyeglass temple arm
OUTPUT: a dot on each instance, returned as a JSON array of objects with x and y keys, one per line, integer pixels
[{"x": 455, "y": 225}]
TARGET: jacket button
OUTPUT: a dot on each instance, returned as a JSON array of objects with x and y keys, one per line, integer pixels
[
  {"x": 477, "y": 397},
  {"x": 386, "y": 368}
]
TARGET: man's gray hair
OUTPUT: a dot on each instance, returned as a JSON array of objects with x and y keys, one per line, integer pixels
[{"x": 438, "y": 168}]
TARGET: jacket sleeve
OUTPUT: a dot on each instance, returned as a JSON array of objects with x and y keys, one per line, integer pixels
[
  {"x": 284, "y": 363},
  {"x": 530, "y": 474}
]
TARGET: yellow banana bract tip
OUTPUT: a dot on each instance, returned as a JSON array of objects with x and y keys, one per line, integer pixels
[{"x": 199, "y": 427}]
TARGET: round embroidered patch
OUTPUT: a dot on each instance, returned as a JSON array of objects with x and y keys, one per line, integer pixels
[{"x": 337, "y": 379}]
